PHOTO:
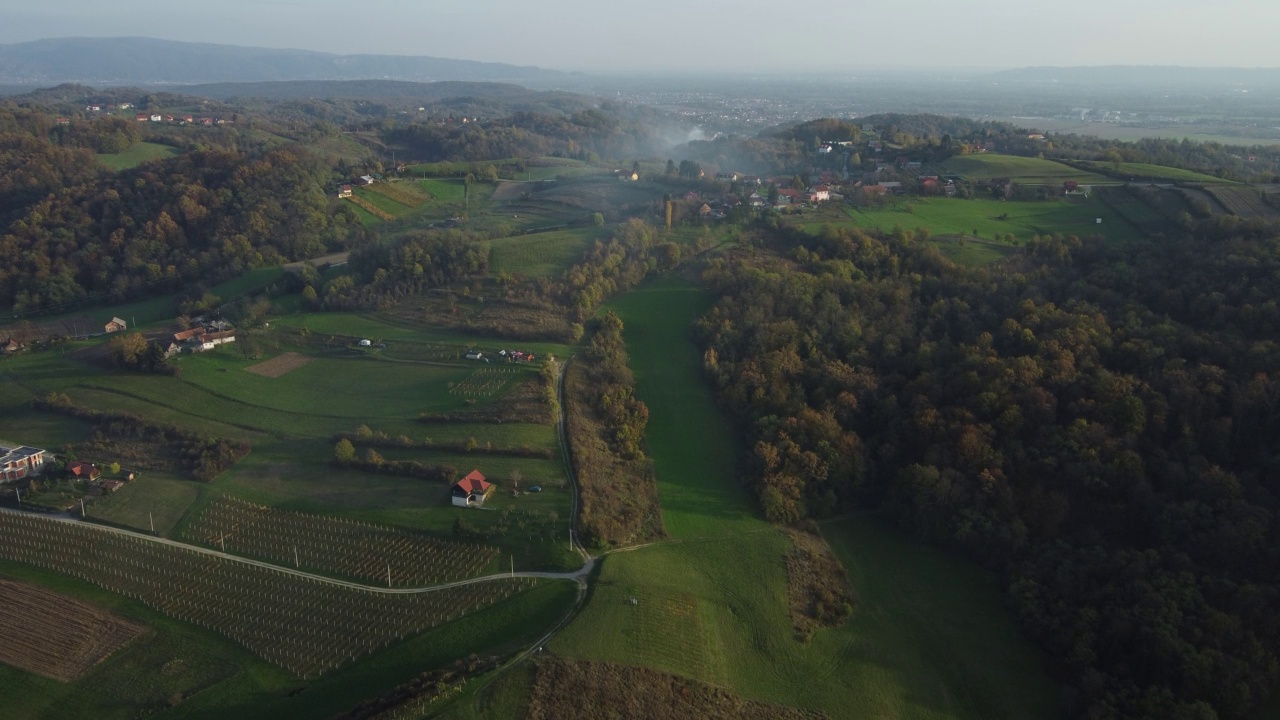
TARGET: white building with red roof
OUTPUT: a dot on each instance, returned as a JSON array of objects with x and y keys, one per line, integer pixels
[{"x": 472, "y": 490}]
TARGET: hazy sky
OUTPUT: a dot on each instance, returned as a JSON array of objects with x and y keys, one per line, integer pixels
[{"x": 698, "y": 35}]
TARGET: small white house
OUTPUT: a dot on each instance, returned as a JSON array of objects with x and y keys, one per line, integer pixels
[
  {"x": 475, "y": 355},
  {"x": 365, "y": 343}
]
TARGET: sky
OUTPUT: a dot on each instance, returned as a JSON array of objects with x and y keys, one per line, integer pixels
[{"x": 696, "y": 36}]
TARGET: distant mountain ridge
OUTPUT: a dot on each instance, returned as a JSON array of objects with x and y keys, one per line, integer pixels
[
  {"x": 147, "y": 62},
  {"x": 1148, "y": 75}
]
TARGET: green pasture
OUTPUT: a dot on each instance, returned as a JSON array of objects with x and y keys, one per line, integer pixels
[
  {"x": 449, "y": 190},
  {"x": 929, "y": 639},
  {"x": 1143, "y": 171},
  {"x": 410, "y": 339},
  {"x": 141, "y": 152},
  {"x": 1024, "y": 170},
  {"x": 694, "y": 450},
  {"x": 541, "y": 254},
  {"x": 994, "y": 219},
  {"x": 366, "y": 217}
]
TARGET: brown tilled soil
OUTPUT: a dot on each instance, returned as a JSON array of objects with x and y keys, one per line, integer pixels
[
  {"x": 580, "y": 690},
  {"x": 279, "y": 366},
  {"x": 55, "y": 636}
]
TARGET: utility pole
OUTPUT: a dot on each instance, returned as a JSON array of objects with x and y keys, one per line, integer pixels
[
  {"x": 388, "y": 575},
  {"x": 513, "y": 566},
  {"x": 223, "y": 539},
  {"x": 153, "y": 522},
  {"x": 296, "y": 563},
  {"x": 82, "y": 508}
]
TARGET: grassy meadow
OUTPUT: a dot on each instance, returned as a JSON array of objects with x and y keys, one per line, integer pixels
[
  {"x": 713, "y": 604},
  {"x": 541, "y": 254},
  {"x": 141, "y": 152},
  {"x": 993, "y": 220},
  {"x": 1142, "y": 171},
  {"x": 1024, "y": 170}
]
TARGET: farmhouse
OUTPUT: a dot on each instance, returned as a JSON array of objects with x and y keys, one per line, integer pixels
[
  {"x": 116, "y": 325},
  {"x": 83, "y": 471},
  {"x": 142, "y": 117},
  {"x": 366, "y": 179},
  {"x": 344, "y": 191},
  {"x": 17, "y": 463},
  {"x": 472, "y": 490}
]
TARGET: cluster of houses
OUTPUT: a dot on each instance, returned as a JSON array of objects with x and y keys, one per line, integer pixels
[
  {"x": 88, "y": 472},
  {"x": 179, "y": 119},
  {"x": 201, "y": 337},
  {"x": 508, "y": 355}
]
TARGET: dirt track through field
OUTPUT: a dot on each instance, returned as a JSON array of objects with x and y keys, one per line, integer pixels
[
  {"x": 55, "y": 636},
  {"x": 280, "y": 366}
]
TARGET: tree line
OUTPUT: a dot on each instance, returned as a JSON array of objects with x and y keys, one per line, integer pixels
[{"x": 1095, "y": 424}]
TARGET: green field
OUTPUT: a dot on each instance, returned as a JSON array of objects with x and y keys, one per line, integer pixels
[
  {"x": 929, "y": 640},
  {"x": 694, "y": 451},
  {"x": 541, "y": 254},
  {"x": 1142, "y": 171},
  {"x": 151, "y": 498},
  {"x": 140, "y": 152},
  {"x": 445, "y": 190},
  {"x": 1025, "y": 170},
  {"x": 994, "y": 219},
  {"x": 382, "y": 202}
]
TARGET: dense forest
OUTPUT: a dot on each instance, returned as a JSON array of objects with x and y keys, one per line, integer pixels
[
  {"x": 72, "y": 231},
  {"x": 1098, "y": 427}
]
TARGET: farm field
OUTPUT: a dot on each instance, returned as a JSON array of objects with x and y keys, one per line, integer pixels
[
  {"x": 1142, "y": 171},
  {"x": 57, "y": 636},
  {"x": 213, "y": 676},
  {"x": 368, "y": 553},
  {"x": 305, "y": 626},
  {"x": 140, "y": 153},
  {"x": 152, "y": 497},
  {"x": 714, "y": 608},
  {"x": 1023, "y": 220},
  {"x": 1243, "y": 201},
  {"x": 1024, "y": 170},
  {"x": 541, "y": 254}
]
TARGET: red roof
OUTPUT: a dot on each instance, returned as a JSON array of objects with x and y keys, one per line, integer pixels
[
  {"x": 81, "y": 469},
  {"x": 474, "y": 482}
]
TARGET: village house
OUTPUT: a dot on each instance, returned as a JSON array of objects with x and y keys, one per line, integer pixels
[
  {"x": 156, "y": 118},
  {"x": 10, "y": 346},
  {"x": 142, "y": 117},
  {"x": 20, "y": 462},
  {"x": 366, "y": 180},
  {"x": 64, "y": 121},
  {"x": 83, "y": 471},
  {"x": 475, "y": 355},
  {"x": 472, "y": 490},
  {"x": 344, "y": 191},
  {"x": 116, "y": 325},
  {"x": 819, "y": 193}
]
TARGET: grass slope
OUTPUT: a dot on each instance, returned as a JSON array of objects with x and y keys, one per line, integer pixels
[
  {"x": 1019, "y": 169},
  {"x": 929, "y": 641},
  {"x": 140, "y": 152},
  {"x": 694, "y": 451},
  {"x": 541, "y": 254},
  {"x": 945, "y": 216},
  {"x": 1143, "y": 171}
]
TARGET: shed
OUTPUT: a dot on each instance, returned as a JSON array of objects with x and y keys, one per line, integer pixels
[{"x": 116, "y": 325}]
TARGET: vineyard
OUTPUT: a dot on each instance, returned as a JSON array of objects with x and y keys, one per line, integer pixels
[
  {"x": 1243, "y": 202},
  {"x": 372, "y": 209},
  {"x": 304, "y": 625},
  {"x": 335, "y": 546},
  {"x": 55, "y": 636},
  {"x": 484, "y": 382},
  {"x": 399, "y": 194}
]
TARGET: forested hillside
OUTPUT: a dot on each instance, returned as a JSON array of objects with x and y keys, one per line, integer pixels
[
  {"x": 72, "y": 230},
  {"x": 1098, "y": 427}
]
